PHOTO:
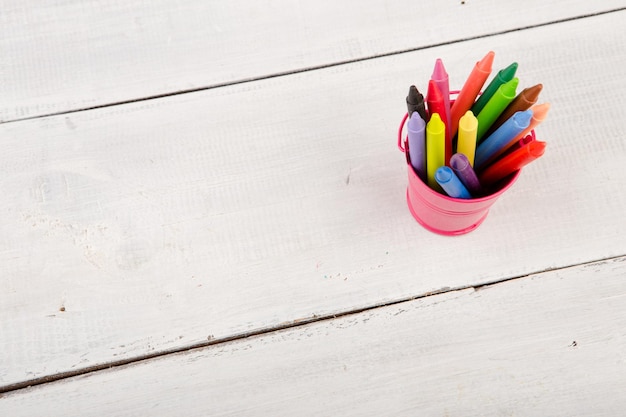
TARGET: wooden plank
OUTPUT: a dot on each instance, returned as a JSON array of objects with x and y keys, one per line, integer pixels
[
  {"x": 160, "y": 224},
  {"x": 549, "y": 344},
  {"x": 62, "y": 56}
]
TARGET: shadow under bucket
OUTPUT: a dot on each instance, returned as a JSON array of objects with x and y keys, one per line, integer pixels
[{"x": 443, "y": 214}]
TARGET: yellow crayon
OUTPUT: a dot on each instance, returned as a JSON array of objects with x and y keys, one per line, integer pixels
[
  {"x": 468, "y": 126},
  {"x": 435, "y": 149}
]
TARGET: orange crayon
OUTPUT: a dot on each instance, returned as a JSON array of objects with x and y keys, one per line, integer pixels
[{"x": 470, "y": 90}]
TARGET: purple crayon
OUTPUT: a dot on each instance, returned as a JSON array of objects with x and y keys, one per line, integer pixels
[
  {"x": 463, "y": 169},
  {"x": 417, "y": 144}
]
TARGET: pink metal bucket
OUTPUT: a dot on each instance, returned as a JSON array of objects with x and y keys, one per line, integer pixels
[{"x": 446, "y": 215}]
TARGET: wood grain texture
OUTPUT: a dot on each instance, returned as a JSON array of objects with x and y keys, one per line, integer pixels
[
  {"x": 60, "y": 56},
  {"x": 160, "y": 224},
  {"x": 552, "y": 344}
]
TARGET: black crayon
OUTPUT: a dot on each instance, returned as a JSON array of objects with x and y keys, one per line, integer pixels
[{"x": 415, "y": 102}]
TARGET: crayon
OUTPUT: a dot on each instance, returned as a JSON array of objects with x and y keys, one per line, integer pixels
[
  {"x": 512, "y": 162},
  {"x": 524, "y": 141},
  {"x": 526, "y": 98},
  {"x": 417, "y": 144},
  {"x": 415, "y": 102},
  {"x": 540, "y": 111},
  {"x": 440, "y": 77},
  {"x": 501, "y": 139},
  {"x": 503, "y": 76},
  {"x": 466, "y": 143},
  {"x": 470, "y": 90},
  {"x": 450, "y": 183},
  {"x": 463, "y": 170},
  {"x": 495, "y": 106},
  {"x": 436, "y": 105},
  {"x": 518, "y": 144},
  {"x": 435, "y": 148}
]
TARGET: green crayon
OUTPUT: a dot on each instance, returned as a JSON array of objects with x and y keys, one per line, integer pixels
[
  {"x": 503, "y": 76},
  {"x": 495, "y": 106}
]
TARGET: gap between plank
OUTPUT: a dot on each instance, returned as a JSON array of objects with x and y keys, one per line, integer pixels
[
  {"x": 314, "y": 68},
  {"x": 267, "y": 330}
]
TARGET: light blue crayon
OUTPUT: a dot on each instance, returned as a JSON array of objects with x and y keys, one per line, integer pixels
[
  {"x": 500, "y": 140},
  {"x": 417, "y": 144},
  {"x": 451, "y": 183}
]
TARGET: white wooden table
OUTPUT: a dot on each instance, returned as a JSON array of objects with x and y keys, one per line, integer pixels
[{"x": 202, "y": 212}]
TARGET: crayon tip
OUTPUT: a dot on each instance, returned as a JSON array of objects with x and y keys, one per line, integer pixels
[
  {"x": 522, "y": 118},
  {"x": 508, "y": 73},
  {"x": 537, "y": 148},
  {"x": 435, "y": 124},
  {"x": 443, "y": 174},
  {"x": 459, "y": 162},
  {"x": 433, "y": 93},
  {"x": 415, "y": 102},
  {"x": 540, "y": 111},
  {"x": 487, "y": 62},
  {"x": 508, "y": 89},
  {"x": 416, "y": 123},
  {"x": 439, "y": 73},
  {"x": 531, "y": 94},
  {"x": 526, "y": 140},
  {"x": 414, "y": 96},
  {"x": 468, "y": 121}
]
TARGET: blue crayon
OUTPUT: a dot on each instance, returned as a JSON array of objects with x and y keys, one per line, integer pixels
[
  {"x": 417, "y": 144},
  {"x": 451, "y": 183},
  {"x": 500, "y": 140}
]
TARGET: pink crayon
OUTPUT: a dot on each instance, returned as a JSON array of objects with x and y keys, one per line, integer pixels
[
  {"x": 520, "y": 144},
  {"x": 440, "y": 77}
]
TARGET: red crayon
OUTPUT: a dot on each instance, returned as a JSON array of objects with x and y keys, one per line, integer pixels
[
  {"x": 512, "y": 162},
  {"x": 436, "y": 104}
]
